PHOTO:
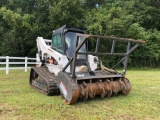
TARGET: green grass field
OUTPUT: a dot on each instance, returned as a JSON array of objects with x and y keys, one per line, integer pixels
[{"x": 18, "y": 101}]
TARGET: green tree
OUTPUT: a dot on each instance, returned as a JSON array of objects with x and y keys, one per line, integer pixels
[{"x": 22, "y": 21}]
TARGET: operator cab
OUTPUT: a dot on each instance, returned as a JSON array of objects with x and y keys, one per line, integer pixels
[
  {"x": 70, "y": 42},
  {"x": 64, "y": 41}
]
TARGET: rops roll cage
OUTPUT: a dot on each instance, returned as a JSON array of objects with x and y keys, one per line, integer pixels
[{"x": 114, "y": 39}]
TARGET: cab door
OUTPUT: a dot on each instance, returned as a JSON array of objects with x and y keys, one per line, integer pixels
[{"x": 57, "y": 43}]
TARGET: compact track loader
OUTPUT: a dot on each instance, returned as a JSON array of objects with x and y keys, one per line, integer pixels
[{"x": 67, "y": 66}]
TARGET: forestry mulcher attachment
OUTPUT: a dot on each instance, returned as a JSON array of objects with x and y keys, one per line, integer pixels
[{"x": 67, "y": 66}]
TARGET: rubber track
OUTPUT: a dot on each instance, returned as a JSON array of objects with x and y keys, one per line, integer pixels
[{"x": 49, "y": 78}]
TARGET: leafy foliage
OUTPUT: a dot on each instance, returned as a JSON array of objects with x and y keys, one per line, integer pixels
[{"x": 22, "y": 21}]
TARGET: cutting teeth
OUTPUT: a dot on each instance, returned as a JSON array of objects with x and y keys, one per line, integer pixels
[
  {"x": 91, "y": 93},
  {"x": 103, "y": 88},
  {"x": 82, "y": 92}
]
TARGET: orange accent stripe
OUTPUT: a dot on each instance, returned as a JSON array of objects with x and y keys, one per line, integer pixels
[{"x": 50, "y": 50}]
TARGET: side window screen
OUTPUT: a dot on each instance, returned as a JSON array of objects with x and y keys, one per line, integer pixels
[{"x": 57, "y": 45}]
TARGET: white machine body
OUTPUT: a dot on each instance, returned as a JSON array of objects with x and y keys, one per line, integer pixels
[{"x": 44, "y": 48}]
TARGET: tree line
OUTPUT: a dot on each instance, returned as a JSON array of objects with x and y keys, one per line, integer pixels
[{"x": 22, "y": 21}]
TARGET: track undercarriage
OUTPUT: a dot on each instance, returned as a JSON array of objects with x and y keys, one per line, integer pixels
[{"x": 43, "y": 81}]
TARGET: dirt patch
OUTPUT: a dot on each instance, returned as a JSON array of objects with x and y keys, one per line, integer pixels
[
  {"x": 19, "y": 77},
  {"x": 125, "y": 117},
  {"x": 6, "y": 78},
  {"x": 68, "y": 116},
  {"x": 4, "y": 110},
  {"x": 7, "y": 112},
  {"x": 7, "y": 92},
  {"x": 0, "y": 112}
]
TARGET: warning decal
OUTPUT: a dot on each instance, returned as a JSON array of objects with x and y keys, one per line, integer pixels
[{"x": 63, "y": 89}]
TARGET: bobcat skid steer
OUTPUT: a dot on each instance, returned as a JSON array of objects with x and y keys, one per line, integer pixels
[{"x": 67, "y": 66}]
